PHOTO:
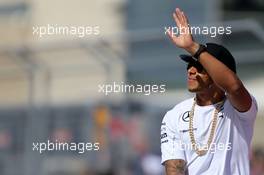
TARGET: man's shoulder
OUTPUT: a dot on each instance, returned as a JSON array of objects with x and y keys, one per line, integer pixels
[
  {"x": 180, "y": 107},
  {"x": 250, "y": 114}
]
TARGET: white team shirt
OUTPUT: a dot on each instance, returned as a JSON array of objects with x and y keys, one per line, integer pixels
[{"x": 229, "y": 151}]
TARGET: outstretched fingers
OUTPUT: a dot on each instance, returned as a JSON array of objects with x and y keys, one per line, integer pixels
[
  {"x": 176, "y": 19},
  {"x": 181, "y": 16},
  {"x": 185, "y": 19},
  {"x": 170, "y": 34},
  {"x": 172, "y": 37},
  {"x": 183, "y": 37}
]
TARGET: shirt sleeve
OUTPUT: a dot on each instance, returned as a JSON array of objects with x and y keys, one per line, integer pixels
[
  {"x": 171, "y": 145},
  {"x": 251, "y": 113}
]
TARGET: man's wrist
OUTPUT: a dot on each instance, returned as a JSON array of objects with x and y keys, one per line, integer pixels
[{"x": 193, "y": 48}]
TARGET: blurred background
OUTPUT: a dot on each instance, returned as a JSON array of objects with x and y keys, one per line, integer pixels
[{"x": 49, "y": 85}]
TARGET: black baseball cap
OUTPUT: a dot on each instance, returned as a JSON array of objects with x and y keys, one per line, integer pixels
[{"x": 219, "y": 52}]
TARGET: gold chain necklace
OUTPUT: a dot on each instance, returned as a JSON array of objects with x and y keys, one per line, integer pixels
[{"x": 203, "y": 151}]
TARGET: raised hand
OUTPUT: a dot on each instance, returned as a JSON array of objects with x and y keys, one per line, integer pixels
[{"x": 184, "y": 39}]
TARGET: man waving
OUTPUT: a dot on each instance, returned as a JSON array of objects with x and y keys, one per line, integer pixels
[{"x": 210, "y": 133}]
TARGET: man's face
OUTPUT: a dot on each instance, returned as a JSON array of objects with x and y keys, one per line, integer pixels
[{"x": 198, "y": 79}]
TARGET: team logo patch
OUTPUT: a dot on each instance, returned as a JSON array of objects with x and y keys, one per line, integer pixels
[
  {"x": 220, "y": 115},
  {"x": 186, "y": 116},
  {"x": 187, "y": 130},
  {"x": 165, "y": 141},
  {"x": 164, "y": 135}
]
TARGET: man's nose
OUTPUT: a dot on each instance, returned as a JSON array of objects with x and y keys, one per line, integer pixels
[{"x": 192, "y": 70}]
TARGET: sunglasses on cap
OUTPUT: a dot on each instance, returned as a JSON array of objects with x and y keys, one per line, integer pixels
[{"x": 197, "y": 65}]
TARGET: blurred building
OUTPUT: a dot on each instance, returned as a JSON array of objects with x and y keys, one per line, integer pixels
[
  {"x": 58, "y": 68},
  {"x": 38, "y": 75}
]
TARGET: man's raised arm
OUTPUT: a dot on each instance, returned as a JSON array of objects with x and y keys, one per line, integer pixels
[{"x": 222, "y": 76}]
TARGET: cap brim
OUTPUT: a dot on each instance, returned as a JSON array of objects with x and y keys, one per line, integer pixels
[{"x": 187, "y": 58}]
